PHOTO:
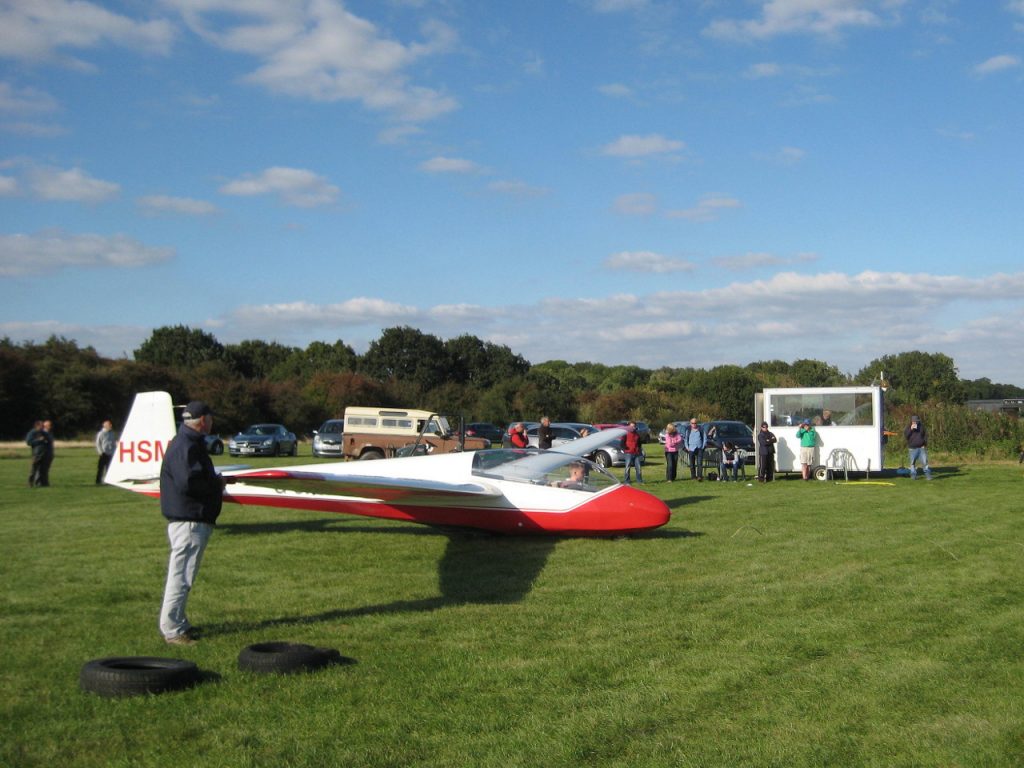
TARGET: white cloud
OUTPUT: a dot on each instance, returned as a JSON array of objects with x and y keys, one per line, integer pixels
[
  {"x": 186, "y": 206},
  {"x": 517, "y": 188},
  {"x": 42, "y": 30},
  {"x": 805, "y": 17},
  {"x": 322, "y": 52},
  {"x": 25, "y": 101},
  {"x": 643, "y": 146},
  {"x": 617, "y": 6},
  {"x": 763, "y": 69},
  {"x": 707, "y": 209},
  {"x": 73, "y": 185},
  {"x": 8, "y": 185},
  {"x": 635, "y": 204},
  {"x": 616, "y": 90},
  {"x": 47, "y": 252},
  {"x": 293, "y": 186},
  {"x": 647, "y": 261},
  {"x": 441, "y": 164},
  {"x": 755, "y": 260},
  {"x": 997, "y": 64}
]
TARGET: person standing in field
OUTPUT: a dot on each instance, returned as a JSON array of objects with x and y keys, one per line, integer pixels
[
  {"x": 672, "y": 441},
  {"x": 917, "y": 444},
  {"x": 36, "y": 440},
  {"x": 765, "y": 454},
  {"x": 545, "y": 434},
  {"x": 191, "y": 495},
  {"x": 46, "y": 435},
  {"x": 633, "y": 450},
  {"x": 694, "y": 442},
  {"x": 808, "y": 440},
  {"x": 106, "y": 444}
]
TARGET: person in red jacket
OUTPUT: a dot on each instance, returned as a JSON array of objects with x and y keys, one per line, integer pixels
[
  {"x": 518, "y": 438},
  {"x": 634, "y": 452}
]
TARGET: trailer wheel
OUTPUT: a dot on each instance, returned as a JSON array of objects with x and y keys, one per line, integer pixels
[
  {"x": 285, "y": 658},
  {"x": 135, "y": 675},
  {"x": 820, "y": 472}
]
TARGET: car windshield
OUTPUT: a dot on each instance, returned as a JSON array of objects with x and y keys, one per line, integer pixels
[
  {"x": 262, "y": 429},
  {"x": 733, "y": 430},
  {"x": 550, "y": 468}
]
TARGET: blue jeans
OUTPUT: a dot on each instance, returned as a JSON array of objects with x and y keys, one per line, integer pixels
[
  {"x": 921, "y": 455},
  {"x": 188, "y": 542},
  {"x": 633, "y": 460},
  {"x": 696, "y": 463},
  {"x": 724, "y": 474}
]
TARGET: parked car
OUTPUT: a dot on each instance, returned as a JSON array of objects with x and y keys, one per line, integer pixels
[
  {"x": 562, "y": 434},
  {"x": 735, "y": 432},
  {"x": 612, "y": 454},
  {"x": 484, "y": 429},
  {"x": 264, "y": 440},
  {"x": 327, "y": 439}
]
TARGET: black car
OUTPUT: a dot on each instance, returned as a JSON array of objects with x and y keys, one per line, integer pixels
[
  {"x": 327, "y": 439},
  {"x": 485, "y": 429},
  {"x": 264, "y": 440},
  {"x": 735, "y": 432}
]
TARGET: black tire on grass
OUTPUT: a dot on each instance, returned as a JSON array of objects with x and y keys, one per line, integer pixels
[
  {"x": 136, "y": 675},
  {"x": 285, "y": 658}
]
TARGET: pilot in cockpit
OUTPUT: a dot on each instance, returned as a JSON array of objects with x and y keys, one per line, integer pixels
[{"x": 577, "y": 479}]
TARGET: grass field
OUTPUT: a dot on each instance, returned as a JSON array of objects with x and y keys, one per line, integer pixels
[{"x": 793, "y": 624}]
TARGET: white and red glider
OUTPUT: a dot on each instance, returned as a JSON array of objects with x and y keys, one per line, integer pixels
[{"x": 508, "y": 491}]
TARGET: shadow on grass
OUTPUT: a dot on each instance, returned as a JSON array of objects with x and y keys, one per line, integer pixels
[
  {"x": 473, "y": 570},
  {"x": 323, "y": 525},
  {"x": 476, "y": 568}
]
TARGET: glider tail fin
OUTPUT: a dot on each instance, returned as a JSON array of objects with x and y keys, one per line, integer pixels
[{"x": 144, "y": 440}]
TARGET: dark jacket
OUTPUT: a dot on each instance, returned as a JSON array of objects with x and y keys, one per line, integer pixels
[
  {"x": 766, "y": 442},
  {"x": 190, "y": 488},
  {"x": 545, "y": 434},
  {"x": 38, "y": 440},
  {"x": 916, "y": 438}
]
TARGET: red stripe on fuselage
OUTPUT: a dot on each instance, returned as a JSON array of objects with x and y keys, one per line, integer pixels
[{"x": 623, "y": 510}]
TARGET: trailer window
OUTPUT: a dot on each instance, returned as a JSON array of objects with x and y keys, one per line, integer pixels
[{"x": 847, "y": 409}]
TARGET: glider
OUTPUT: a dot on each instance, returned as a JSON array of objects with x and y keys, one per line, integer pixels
[{"x": 509, "y": 491}]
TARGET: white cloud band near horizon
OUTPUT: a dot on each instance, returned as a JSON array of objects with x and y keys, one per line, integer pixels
[{"x": 845, "y": 320}]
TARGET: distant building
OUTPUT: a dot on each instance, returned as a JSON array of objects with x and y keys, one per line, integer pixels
[{"x": 1009, "y": 405}]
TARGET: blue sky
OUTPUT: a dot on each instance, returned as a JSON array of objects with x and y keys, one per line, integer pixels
[{"x": 686, "y": 183}]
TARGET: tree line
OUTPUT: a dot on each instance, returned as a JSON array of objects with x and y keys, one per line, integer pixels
[{"x": 266, "y": 381}]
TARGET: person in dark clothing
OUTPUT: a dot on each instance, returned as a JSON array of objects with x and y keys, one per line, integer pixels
[
  {"x": 36, "y": 440},
  {"x": 190, "y": 498},
  {"x": 545, "y": 434},
  {"x": 917, "y": 442},
  {"x": 766, "y": 441},
  {"x": 46, "y": 436}
]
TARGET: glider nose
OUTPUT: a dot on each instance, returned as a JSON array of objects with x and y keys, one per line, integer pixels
[{"x": 641, "y": 510}]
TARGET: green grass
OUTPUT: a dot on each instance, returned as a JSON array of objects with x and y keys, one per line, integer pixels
[{"x": 794, "y": 624}]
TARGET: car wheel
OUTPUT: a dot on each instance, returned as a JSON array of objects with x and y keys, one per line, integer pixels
[
  {"x": 603, "y": 459},
  {"x": 277, "y": 450},
  {"x": 285, "y": 658},
  {"x": 217, "y": 448},
  {"x": 135, "y": 675},
  {"x": 371, "y": 455}
]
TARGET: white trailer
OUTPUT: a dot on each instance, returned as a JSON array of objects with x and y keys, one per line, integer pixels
[{"x": 849, "y": 422}]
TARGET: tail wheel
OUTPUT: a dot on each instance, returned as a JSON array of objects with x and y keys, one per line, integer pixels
[{"x": 820, "y": 473}]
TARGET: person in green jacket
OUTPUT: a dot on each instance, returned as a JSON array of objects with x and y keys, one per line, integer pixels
[{"x": 808, "y": 440}]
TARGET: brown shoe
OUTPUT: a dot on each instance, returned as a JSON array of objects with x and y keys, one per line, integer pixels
[{"x": 183, "y": 639}]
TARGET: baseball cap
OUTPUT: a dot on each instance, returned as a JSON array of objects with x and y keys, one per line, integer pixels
[
  {"x": 195, "y": 409},
  {"x": 806, "y": 421}
]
